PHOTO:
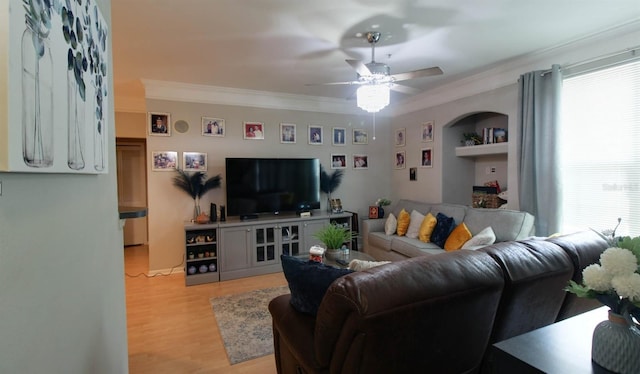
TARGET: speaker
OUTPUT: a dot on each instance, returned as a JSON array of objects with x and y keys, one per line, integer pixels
[
  {"x": 223, "y": 213},
  {"x": 213, "y": 213}
]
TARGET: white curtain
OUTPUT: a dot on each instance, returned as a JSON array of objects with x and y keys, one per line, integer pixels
[{"x": 538, "y": 119}]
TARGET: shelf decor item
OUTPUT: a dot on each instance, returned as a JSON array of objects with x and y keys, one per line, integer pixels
[
  {"x": 329, "y": 183},
  {"x": 615, "y": 282},
  {"x": 196, "y": 185},
  {"x": 381, "y": 203}
]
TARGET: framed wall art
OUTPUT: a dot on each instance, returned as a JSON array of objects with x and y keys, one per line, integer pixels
[
  {"x": 399, "y": 160},
  {"x": 194, "y": 161},
  {"x": 360, "y": 161},
  {"x": 401, "y": 135},
  {"x": 213, "y": 127},
  {"x": 427, "y": 131},
  {"x": 164, "y": 160},
  {"x": 58, "y": 116},
  {"x": 287, "y": 133},
  {"x": 426, "y": 158},
  {"x": 159, "y": 124},
  {"x": 338, "y": 161},
  {"x": 339, "y": 135},
  {"x": 360, "y": 136},
  {"x": 254, "y": 130},
  {"x": 315, "y": 135}
]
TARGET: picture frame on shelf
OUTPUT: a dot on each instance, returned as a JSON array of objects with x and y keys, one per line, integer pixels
[
  {"x": 164, "y": 160},
  {"x": 400, "y": 160},
  {"x": 373, "y": 212},
  {"x": 253, "y": 131},
  {"x": 339, "y": 136},
  {"x": 360, "y": 136},
  {"x": 159, "y": 124},
  {"x": 426, "y": 158},
  {"x": 427, "y": 131},
  {"x": 401, "y": 136},
  {"x": 194, "y": 161},
  {"x": 287, "y": 133},
  {"x": 360, "y": 161},
  {"x": 213, "y": 127},
  {"x": 338, "y": 161},
  {"x": 315, "y": 136}
]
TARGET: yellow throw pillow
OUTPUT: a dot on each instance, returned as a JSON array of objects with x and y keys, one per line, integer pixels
[
  {"x": 457, "y": 238},
  {"x": 426, "y": 228},
  {"x": 403, "y": 222}
]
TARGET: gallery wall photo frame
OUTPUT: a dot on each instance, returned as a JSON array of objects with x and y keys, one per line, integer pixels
[
  {"x": 426, "y": 157},
  {"x": 360, "y": 136},
  {"x": 288, "y": 133},
  {"x": 315, "y": 135},
  {"x": 401, "y": 137},
  {"x": 253, "y": 130},
  {"x": 400, "y": 160},
  {"x": 339, "y": 136},
  {"x": 426, "y": 131},
  {"x": 338, "y": 161},
  {"x": 213, "y": 127},
  {"x": 194, "y": 161},
  {"x": 159, "y": 124},
  {"x": 164, "y": 160},
  {"x": 360, "y": 161}
]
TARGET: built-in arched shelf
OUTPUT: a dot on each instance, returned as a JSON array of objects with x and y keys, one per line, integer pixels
[{"x": 468, "y": 166}]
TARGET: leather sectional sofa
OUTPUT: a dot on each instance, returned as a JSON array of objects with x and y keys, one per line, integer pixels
[
  {"x": 438, "y": 313},
  {"x": 506, "y": 224}
]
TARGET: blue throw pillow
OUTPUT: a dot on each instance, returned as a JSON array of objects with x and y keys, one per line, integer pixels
[
  {"x": 308, "y": 282},
  {"x": 443, "y": 228}
]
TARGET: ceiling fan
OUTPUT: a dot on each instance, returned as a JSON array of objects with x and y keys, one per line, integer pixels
[{"x": 377, "y": 73}]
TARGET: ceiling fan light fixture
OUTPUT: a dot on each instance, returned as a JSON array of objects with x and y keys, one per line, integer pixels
[{"x": 373, "y": 97}]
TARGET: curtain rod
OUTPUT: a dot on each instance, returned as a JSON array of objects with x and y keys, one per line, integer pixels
[{"x": 633, "y": 51}]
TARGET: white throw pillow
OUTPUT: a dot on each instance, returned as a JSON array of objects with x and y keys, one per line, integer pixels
[
  {"x": 484, "y": 237},
  {"x": 359, "y": 265},
  {"x": 390, "y": 225},
  {"x": 414, "y": 224}
]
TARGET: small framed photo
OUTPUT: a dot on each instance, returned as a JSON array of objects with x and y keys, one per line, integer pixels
[
  {"x": 213, "y": 127},
  {"x": 338, "y": 161},
  {"x": 194, "y": 161},
  {"x": 360, "y": 161},
  {"x": 400, "y": 160},
  {"x": 287, "y": 133},
  {"x": 159, "y": 124},
  {"x": 254, "y": 130},
  {"x": 315, "y": 135},
  {"x": 164, "y": 160},
  {"x": 360, "y": 136},
  {"x": 401, "y": 135},
  {"x": 413, "y": 174},
  {"x": 373, "y": 211},
  {"x": 339, "y": 136},
  {"x": 427, "y": 131},
  {"x": 426, "y": 159}
]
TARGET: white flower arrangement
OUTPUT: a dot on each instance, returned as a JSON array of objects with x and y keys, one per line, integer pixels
[
  {"x": 615, "y": 282},
  {"x": 383, "y": 202}
]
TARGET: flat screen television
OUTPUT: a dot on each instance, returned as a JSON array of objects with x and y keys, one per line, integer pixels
[{"x": 272, "y": 185}]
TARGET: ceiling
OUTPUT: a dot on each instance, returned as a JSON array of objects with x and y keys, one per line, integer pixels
[{"x": 285, "y": 45}]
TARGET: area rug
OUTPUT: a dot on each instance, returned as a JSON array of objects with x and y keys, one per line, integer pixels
[{"x": 245, "y": 323}]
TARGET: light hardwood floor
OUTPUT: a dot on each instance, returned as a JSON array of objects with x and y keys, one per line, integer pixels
[{"x": 172, "y": 329}]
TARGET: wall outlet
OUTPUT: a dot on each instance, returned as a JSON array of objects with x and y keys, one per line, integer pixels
[{"x": 493, "y": 170}]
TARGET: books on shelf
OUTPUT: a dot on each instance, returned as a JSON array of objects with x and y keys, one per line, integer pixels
[{"x": 492, "y": 135}]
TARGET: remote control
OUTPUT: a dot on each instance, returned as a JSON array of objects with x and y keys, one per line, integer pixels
[{"x": 342, "y": 262}]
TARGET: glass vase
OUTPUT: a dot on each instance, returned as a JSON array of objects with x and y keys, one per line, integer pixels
[
  {"x": 616, "y": 345},
  {"x": 76, "y": 124},
  {"x": 37, "y": 100},
  {"x": 98, "y": 141}
]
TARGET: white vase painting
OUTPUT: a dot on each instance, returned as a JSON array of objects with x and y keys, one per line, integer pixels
[{"x": 59, "y": 62}]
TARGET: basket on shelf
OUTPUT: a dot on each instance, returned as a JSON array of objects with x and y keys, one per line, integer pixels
[{"x": 485, "y": 200}]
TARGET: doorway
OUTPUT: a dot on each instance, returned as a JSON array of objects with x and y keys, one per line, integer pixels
[{"x": 132, "y": 186}]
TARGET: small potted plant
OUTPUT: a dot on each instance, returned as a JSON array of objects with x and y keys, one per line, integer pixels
[
  {"x": 471, "y": 138},
  {"x": 333, "y": 237},
  {"x": 381, "y": 203}
]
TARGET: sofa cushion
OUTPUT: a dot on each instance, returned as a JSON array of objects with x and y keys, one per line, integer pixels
[
  {"x": 481, "y": 239},
  {"x": 506, "y": 224},
  {"x": 380, "y": 240},
  {"x": 414, "y": 224},
  {"x": 457, "y": 212},
  {"x": 413, "y": 247},
  {"x": 390, "y": 225},
  {"x": 443, "y": 228},
  {"x": 426, "y": 228},
  {"x": 457, "y": 238},
  {"x": 403, "y": 222},
  {"x": 410, "y": 205},
  {"x": 308, "y": 282}
]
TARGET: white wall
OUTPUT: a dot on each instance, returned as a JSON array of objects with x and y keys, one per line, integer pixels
[
  {"x": 169, "y": 207},
  {"x": 62, "y": 300}
]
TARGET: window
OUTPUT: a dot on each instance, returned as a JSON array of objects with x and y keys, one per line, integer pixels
[{"x": 600, "y": 150}]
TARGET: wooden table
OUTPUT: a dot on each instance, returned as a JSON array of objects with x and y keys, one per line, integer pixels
[
  {"x": 351, "y": 255},
  {"x": 563, "y": 347}
]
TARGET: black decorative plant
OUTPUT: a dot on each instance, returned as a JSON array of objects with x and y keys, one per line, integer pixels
[
  {"x": 195, "y": 185},
  {"x": 330, "y": 182}
]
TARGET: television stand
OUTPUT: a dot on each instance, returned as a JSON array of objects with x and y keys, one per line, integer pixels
[{"x": 246, "y": 217}]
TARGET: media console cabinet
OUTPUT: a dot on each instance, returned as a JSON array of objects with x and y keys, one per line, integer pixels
[{"x": 239, "y": 248}]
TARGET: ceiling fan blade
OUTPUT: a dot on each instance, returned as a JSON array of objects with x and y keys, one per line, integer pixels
[
  {"x": 332, "y": 83},
  {"x": 404, "y": 89},
  {"x": 359, "y": 66},
  {"x": 417, "y": 74}
]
